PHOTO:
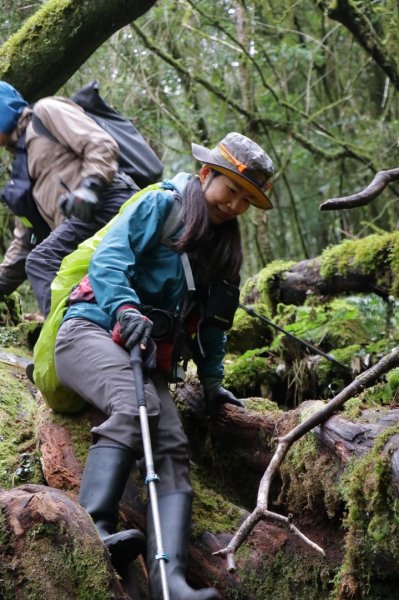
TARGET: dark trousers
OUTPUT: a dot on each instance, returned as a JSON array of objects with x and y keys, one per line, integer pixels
[
  {"x": 90, "y": 363},
  {"x": 43, "y": 262}
]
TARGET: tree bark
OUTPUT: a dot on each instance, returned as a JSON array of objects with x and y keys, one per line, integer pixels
[{"x": 53, "y": 43}]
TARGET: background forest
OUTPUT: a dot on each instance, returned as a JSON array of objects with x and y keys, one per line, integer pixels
[{"x": 319, "y": 95}]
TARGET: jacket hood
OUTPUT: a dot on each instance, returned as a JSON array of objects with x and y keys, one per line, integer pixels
[{"x": 178, "y": 182}]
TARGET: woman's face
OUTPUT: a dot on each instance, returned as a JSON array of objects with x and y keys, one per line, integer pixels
[{"x": 226, "y": 199}]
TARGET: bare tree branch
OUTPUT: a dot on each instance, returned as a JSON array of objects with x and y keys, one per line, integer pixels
[
  {"x": 261, "y": 511},
  {"x": 255, "y": 118},
  {"x": 354, "y": 16},
  {"x": 378, "y": 184}
]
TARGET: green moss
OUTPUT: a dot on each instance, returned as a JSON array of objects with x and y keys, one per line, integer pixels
[
  {"x": 352, "y": 408},
  {"x": 394, "y": 261},
  {"x": 19, "y": 460},
  {"x": 331, "y": 377},
  {"x": 249, "y": 332},
  {"x": 284, "y": 575},
  {"x": 332, "y": 325},
  {"x": 24, "y": 335},
  {"x": 372, "y": 254},
  {"x": 378, "y": 395},
  {"x": 264, "y": 283},
  {"x": 393, "y": 379},
  {"x": 249, "y": 374},
  {"x": 11, "y": 310},
  {"x": 24, "y": 41},
  {"x": 261, "y": 405},
  {"x": 372, "y": 541},
  {"x": 363, "y": 254},
  {"x": 211, "y": 512},
  {"x": 57, "y": 565},
  {"x": 310, "y": 478}
]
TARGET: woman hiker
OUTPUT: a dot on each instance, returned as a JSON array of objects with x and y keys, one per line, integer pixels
[{"x": 141, "y": 287}]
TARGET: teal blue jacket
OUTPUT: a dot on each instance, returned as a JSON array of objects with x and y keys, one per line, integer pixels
[{"x": 131, "y": 266}]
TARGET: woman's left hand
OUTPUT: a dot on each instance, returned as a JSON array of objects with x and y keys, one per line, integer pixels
[{"x": 215, "y": 394}]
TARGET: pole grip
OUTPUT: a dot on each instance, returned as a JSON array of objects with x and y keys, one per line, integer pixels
[{"x": 136, "y": 360}]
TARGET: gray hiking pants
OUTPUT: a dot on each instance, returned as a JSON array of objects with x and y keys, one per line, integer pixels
[
  {"x": 44, "y": 260},
  {"x": 90, "y": 363}
]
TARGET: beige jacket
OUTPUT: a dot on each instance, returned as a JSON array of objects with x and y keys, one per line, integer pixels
[{"x": 82, "y": 149}]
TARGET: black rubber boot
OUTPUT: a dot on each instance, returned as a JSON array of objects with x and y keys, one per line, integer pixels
[
  {"x": 104, "y": 479},
  {"x": 175, "y": 516}
]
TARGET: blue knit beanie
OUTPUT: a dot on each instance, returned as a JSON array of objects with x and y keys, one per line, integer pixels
[{"x": 11, "y": 105}]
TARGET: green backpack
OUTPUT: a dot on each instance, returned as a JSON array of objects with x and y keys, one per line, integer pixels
[{"x": 73, "y": 268}]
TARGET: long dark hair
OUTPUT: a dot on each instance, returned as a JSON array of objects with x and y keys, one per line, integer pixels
[{"x": 216, "y": 248}]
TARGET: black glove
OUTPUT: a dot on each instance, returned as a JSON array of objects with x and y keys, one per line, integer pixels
[
  {"x": 215, "y": 394},
  {"x": 83, "y": 202},
  {"x": 132, "y": 328}
]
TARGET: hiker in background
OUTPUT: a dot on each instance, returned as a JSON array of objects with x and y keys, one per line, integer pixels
[
  {"x": 77, "y": 187},
  {"x": 139, "y": 288}
]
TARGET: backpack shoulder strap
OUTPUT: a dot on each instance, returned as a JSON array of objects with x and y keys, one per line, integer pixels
[
  {"x": 41, "y": 129},
  {"x": 172, "y": 223}
]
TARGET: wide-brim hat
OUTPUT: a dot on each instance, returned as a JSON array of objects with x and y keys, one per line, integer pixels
[{"x": 243, "y": 161}]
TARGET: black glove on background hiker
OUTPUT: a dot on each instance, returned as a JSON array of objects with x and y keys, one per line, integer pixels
[
  {"x": 83, "y": 202},
  {"x": 215, "y": 394},
  {"x": 131, "y": 328}
]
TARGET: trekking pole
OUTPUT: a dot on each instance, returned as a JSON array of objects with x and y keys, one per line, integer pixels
[
  {"x": 151, "y": 477},
  {"x": 252, "y": 313}
]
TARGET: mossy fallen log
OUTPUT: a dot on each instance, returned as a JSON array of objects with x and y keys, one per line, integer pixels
[
  {"x": 237, "y": 440},
  {"x": 49, "y": 549},
  {"x": 366, "y": 265}
]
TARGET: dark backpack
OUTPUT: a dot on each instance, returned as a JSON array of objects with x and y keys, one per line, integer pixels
[
  {"x": 17, "y": 194},
  {"x": 136, "y": 158}
]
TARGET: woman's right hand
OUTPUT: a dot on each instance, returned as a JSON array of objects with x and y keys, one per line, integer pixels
[{"x": 131, "y": 328}]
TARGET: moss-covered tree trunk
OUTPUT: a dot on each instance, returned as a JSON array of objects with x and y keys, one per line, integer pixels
[{"x": 53, "y": 43}]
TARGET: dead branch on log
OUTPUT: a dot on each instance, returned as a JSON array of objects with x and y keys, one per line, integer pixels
[
  {"x": 261, "y": 512},
  {"x": 374, "y": 189}
]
